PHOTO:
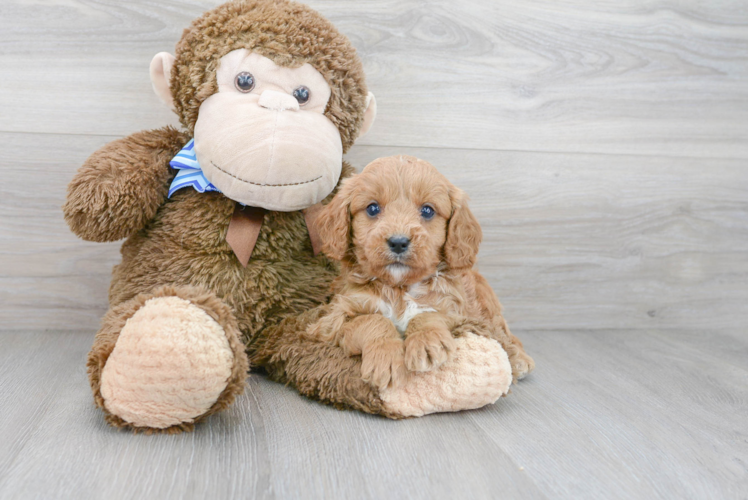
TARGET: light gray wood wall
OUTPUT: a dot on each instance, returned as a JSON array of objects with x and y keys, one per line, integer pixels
[{"x": 604, "y": 145}]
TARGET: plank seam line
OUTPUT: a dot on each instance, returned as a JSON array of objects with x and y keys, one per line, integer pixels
[{"x": 442, "y": 148}]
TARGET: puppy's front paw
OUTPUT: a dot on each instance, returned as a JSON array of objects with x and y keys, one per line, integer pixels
[
  {"x": 522, "y": 364},
  {"x": 428, "y": 349},
  {"x": 382, "y": 363}
]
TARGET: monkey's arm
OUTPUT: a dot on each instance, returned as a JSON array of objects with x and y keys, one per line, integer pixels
[
  {"x": 324, "y": 371},
  {"x": 318, "y": 369},
  {"x": 119, "y": 188}
]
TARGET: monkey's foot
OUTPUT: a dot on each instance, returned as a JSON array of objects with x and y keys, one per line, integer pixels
[
  {"x": 172, "y": 364},
  {"x": 478, "y": 374}
]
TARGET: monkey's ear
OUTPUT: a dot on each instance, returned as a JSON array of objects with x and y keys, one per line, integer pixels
[
  {"x": 369, "y": 115},
  {"x": 463, "y": 234},
  {"x": 334, "y": 222},
  {"x": 161, "y": 75}
]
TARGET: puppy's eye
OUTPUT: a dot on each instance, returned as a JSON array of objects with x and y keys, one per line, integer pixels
[
  {"x": 373, "y": 210},
  {"x": 244, "y": 82},
  {"x": 428, "y": 212},
  {"x": 302, "y": 94}
]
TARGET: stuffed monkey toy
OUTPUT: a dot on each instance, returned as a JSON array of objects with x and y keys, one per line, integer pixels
[{"x": 219, "y": 265}]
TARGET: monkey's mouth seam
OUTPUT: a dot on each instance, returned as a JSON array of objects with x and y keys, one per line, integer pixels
[{"x": 264, "y": 185}]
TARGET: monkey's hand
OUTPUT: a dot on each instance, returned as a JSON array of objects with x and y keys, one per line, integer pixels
[{"x": 120, "y": 187}]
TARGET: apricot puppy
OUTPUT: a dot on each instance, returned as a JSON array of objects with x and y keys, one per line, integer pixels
[{"x": 407, "y": 242}]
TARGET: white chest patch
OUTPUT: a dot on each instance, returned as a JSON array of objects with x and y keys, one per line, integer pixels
[{"x": 411, "y": 311}]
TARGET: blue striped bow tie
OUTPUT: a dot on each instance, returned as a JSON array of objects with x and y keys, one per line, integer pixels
[{"x": 190, "y": 173}]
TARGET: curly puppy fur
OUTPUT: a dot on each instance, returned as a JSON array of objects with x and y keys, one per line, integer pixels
[
  {"x": 180, "y": 242},
  {"x": 427, "y": 292}
]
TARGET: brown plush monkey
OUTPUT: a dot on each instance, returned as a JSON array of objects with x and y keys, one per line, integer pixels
[{"x": 218, "y": 268}]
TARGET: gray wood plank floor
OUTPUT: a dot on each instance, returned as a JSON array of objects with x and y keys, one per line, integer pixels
[
  {"x": 609, "y": 414},
  {"x": 605, "y": 149}
]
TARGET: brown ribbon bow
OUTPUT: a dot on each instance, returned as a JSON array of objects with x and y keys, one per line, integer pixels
[{"x": 245, "y": 225}]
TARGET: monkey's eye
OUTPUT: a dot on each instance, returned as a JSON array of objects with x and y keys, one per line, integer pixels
[
  {"x": 373, "y": 209},
  {"x": 301, "y": 94},
  {"x": 244, "y": 82},
  {"x": 428, "y": 212}
]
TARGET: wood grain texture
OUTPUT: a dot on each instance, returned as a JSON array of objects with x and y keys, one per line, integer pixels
[
  {"x": 609, "y": 414},
  {"x": 571, "y": 241},
  {"x": 629, "y": 77}
]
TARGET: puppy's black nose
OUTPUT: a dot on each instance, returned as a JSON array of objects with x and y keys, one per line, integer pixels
[{"x": 399, "y": 244}]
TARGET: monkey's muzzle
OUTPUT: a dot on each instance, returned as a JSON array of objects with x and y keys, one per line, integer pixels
[{"x": 274, "y": 157}]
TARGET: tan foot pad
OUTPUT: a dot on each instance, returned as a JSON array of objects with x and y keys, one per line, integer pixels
[
  {"x": 478, "y": 374},
  {"x": 170, "y": 365}
]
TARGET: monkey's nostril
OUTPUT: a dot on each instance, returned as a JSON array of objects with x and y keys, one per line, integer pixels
[{"x": 398, "y": 244}]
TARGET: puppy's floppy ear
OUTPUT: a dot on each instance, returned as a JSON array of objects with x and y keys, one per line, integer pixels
[
  {"x": 463, "y": 233},
  {"x": 334, "y": 222}
]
